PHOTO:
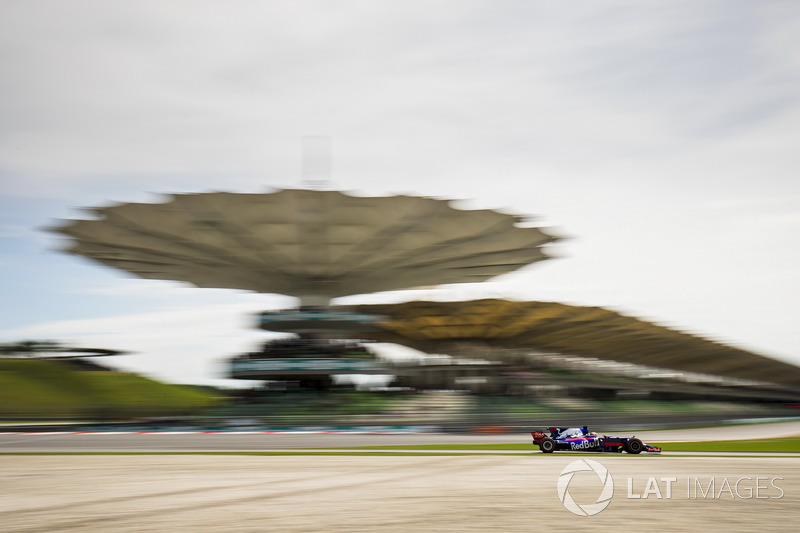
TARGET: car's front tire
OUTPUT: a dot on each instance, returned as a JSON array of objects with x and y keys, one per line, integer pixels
[
  {"x": 547, "y": 445},
  {"x": 634, "y": 446}
]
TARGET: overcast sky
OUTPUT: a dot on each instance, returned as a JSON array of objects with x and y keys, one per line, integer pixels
[{"x": 661, "y": 137}]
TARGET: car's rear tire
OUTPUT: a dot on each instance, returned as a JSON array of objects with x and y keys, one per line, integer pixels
[
  {"x": 547, "y": 445},
  {"x": 634, "y": 446}
]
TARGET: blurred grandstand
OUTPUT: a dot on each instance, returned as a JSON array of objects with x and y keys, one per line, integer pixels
[
  {"x": 603, "y": 353},
  {"x": 318, "y": 245}
]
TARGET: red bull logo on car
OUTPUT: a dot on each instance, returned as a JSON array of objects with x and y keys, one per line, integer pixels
[{"x": 587, "y": 444}]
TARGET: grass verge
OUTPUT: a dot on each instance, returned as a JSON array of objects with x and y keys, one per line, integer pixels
[
  {"x": 786, "y": 444},
  {"x": 298, "y": 451}
]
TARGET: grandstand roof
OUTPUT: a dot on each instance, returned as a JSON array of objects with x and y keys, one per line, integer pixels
[
  {"x": 312, "y": 244},
  {"x": 568, "y": 329}
]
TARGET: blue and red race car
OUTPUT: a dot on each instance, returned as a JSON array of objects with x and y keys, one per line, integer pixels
[{"x": 581, "y": 440}]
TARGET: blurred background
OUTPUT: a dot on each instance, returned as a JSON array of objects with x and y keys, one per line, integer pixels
[{"x": 468, "y": 216}]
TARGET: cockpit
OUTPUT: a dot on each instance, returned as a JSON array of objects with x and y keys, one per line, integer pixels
[{"x": 571, "y": 433}]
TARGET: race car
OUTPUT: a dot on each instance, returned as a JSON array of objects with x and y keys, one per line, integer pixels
[{"x": 581, "y": 440}]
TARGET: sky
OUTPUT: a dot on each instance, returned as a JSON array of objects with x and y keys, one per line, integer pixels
[{"x": 661, "y": 138}]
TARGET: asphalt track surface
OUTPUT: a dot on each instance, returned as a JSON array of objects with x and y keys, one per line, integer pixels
[
  {"x": 497, "y": 493},
  {"x": 294, "y": 493},
  {"x": 233, "y": 441}
]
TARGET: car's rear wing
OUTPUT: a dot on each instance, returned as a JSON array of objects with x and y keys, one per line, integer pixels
[{"x": 537, "y": 436}]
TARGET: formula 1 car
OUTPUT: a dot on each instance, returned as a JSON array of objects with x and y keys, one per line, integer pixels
[{"x": 580, "y": 439}]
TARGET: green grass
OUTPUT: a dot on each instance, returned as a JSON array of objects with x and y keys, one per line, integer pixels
[
  {"x": 53, "y": 389},
  {"x": 787, "y": 444},
  {"x": 466, "y": 447},
  {"x": 287, "y": 452},
  {"x": 59, "y": 422}
]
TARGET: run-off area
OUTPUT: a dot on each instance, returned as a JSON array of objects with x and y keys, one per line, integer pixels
[{"x": 139, "y": 493}]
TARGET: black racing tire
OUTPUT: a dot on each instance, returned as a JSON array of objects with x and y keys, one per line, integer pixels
[
  {"x": 547, "y": 445},
  {"x": 634, "y": 446}
]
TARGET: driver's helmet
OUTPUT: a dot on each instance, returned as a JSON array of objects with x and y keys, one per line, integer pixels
[{"x": 571, "y": 433}]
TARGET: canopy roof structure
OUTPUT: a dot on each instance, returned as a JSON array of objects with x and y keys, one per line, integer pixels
[
  {"x": 317, "y": 245},
  {"x": 312, "y": 244},
  {"x": 567, "y": 329}
]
